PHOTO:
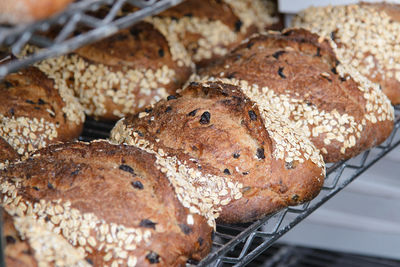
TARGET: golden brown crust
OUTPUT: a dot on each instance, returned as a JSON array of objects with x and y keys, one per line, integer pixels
[
  {"x": 35, "y": 113},
  {"x": 210, "y": 128},
  {"x": 17, "y": 251},
  {"x": 7, "y": 153},
  {"x": 123, "y": 207},
  {"x": 149, "y": 72},
  {"x": 366, "y": 37},
  {"x": 209, "y": 29},
  {"x": 300, "y": 76},
  {"x": 121, "y": 74},
  {"x": 23, "y": 11},
  {"x": 137, "y": 67}
]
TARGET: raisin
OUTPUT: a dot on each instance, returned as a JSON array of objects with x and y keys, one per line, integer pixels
[
  {"x": 318, "y": 52},
  {"x": 260, "y": 153},
  {"x": 277, "y": 54},
  {"x": 252, "y": 115},
  {"x": 137, "y": 185},
  {"x": 153, "y": 257},
  {"x": 192, "y": 113},
  {"x": 205, "y": 118},
  {"x": 147, "y": 224},
  {"x": 126, "y": 168},
  {"x": 185, "y": 228},
  {"x": 10, "y": 239},
  {"x": 280, "y": 72},
  {"x": 50, "y": 186},
  {"x": 238, "y": 25}
]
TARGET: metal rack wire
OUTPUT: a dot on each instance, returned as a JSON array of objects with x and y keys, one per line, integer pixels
[{"x": 78, "y": 15}]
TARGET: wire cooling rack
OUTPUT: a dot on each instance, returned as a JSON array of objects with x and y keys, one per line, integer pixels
[
  {"x": 78, "y": 15},
  {"x": 237, "y": 245}
]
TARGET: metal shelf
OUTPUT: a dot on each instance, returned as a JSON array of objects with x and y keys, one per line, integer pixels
[
  {"x": 237, "y": 245},
  {"x": 77, "y": 15}
]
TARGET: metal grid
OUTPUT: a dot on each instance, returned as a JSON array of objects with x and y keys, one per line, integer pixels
[
  {"x": 79, "y": 15},
  {"x": 237, "y": 245}
]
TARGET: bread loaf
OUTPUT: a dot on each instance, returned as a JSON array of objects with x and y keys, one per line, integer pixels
[
  {"x": 37, "y": 110},
  {"x": 231, "y": 154},
  {"x": 366, "y": 36},
  {"x": 139, "y": 66},
  {"x": 30, "y": 243},
  {"x": 298, "y": 74},
  {"x": 25, "y": 11},
  {"x": 209, "y": 29},
  {"x": 112, "y": 203}
]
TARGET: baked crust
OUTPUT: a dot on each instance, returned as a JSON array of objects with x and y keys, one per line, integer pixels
[
  {"x": 139, "y": 66},
  {"x": 7, "y": 153},
  {"x": 217, "y": 131},
  {"x": 36, "y": 111},
  {"x": 365, "y": 34},
  {"x": 209, "y": 29},
  {"x": 299, "y": 75},
  {"x": 23, "y": 11},
  {"x": 111, "y": 201},
  {"x": 17, "y": 251}
]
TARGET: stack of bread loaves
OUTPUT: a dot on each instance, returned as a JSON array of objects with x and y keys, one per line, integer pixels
[
  {"x": 139, "y": 66},
  {"x": 247, "y": 135}
]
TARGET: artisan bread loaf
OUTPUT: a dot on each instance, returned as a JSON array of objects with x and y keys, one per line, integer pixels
[
  {"x": 37, "y": 110},
  {"x": 298, "y": 74},
  {"x": 30, "y": 243},
  {"x": 231, "y": 154},
  {"x": 25, "y": 11},
  {"x": 209, "y": 29},
  {"x": 139, "y": 66},
  {"x": 366, "y": 36},
  {"x": 112, "y": 203}
]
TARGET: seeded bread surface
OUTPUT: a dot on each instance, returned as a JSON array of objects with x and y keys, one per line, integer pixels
[
  {"x": 111, "y": 202},
  {"x": 367, "y": 38},
  {"x": 299, "y": 75},
  {"x": 241, "y": 158},
  {"x": 141, "y": 65},
  {"x": 36, "y": 111}
]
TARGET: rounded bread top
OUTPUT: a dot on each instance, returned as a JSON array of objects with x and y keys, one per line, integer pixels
[
  {"x": 110, "y": 201},
  {"x": 298, "y": 74},
  {"x": 37, "y": 111},
  {"x": 366, "y": 35}
]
